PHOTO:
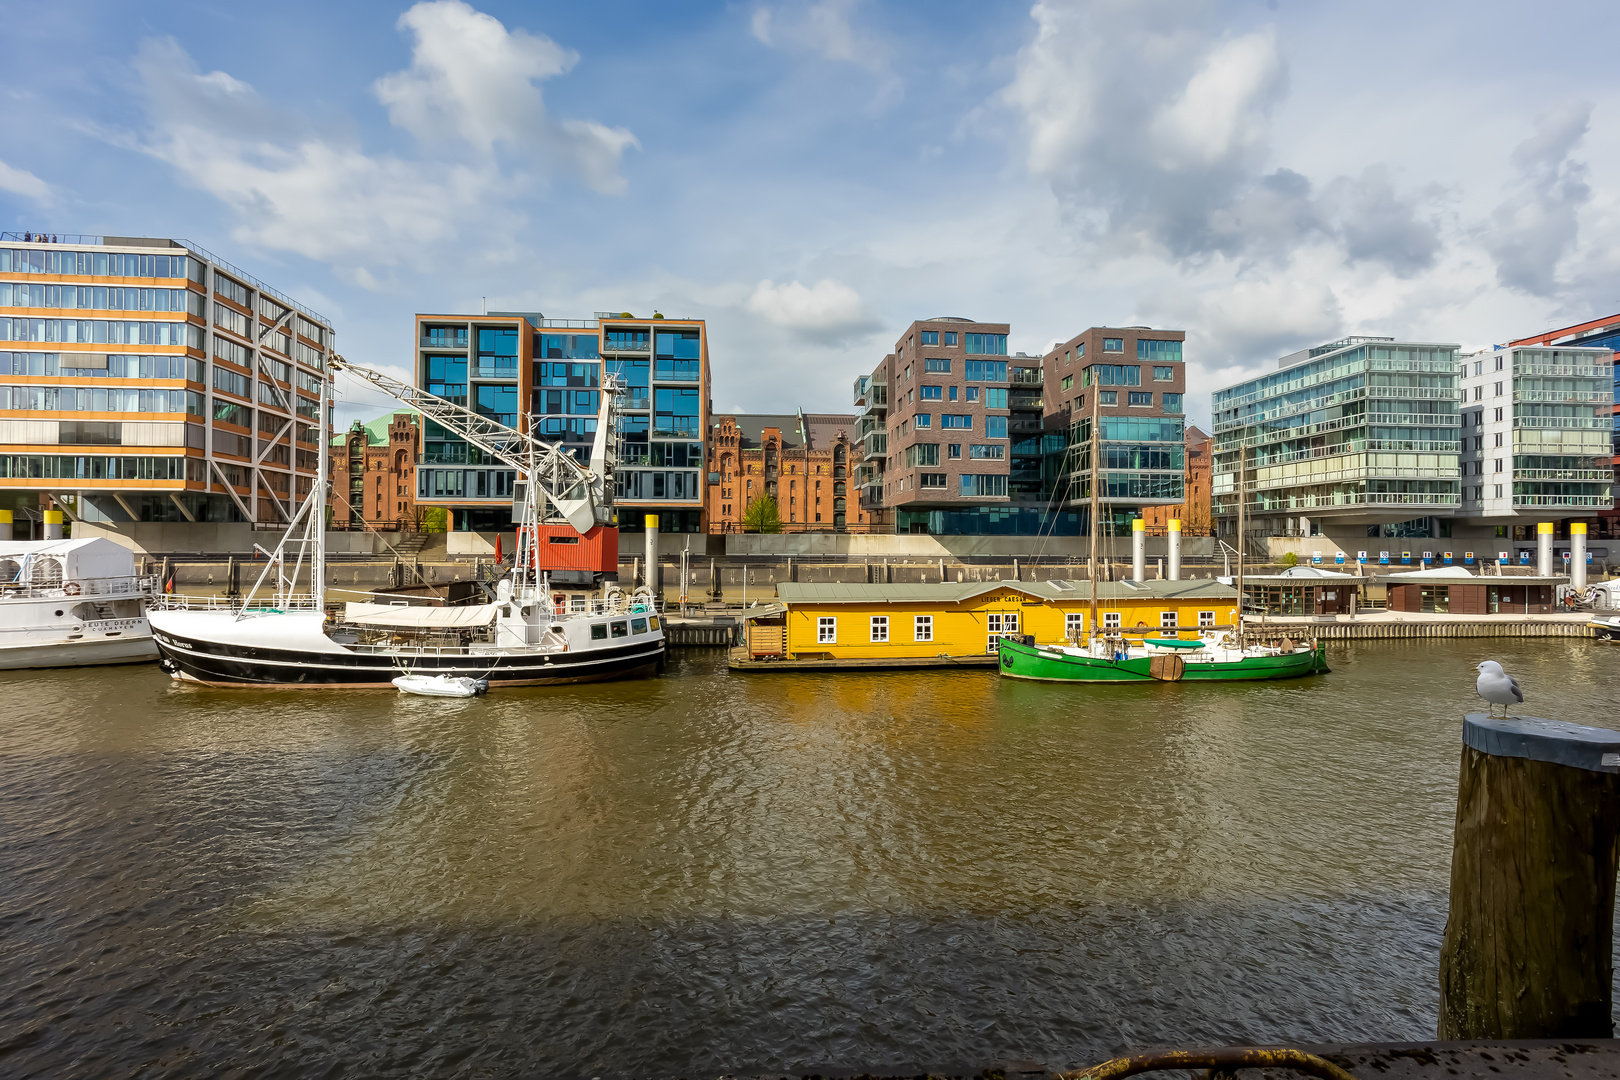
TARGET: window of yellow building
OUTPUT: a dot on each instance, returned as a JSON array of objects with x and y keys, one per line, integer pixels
[
  {"x": 826, "y": 630},
  {"x": 880, "y": 628},
  {"x": 1167, "y": 620},
  {"x": 923, "y": 628}
]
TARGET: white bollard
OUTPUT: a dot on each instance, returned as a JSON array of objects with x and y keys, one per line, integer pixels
[
  {"x": 1577, "y": 554},
  {"x": 652, "y": 553},
  {"x": 1175, "y": 549},
  {"x": 53, "y": 524},
  {"x": 1138, "y": 549},
  {"x": 1544, "y": 553}
]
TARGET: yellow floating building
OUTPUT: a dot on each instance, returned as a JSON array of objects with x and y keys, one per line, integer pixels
[{"x": 921, "y": 623}]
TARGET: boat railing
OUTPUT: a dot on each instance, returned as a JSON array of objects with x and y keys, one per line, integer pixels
[
  {"x": 177, "y": 602},
  {"x": 75, "y": 587}
]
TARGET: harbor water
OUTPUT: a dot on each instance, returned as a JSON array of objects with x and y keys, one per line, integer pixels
[{"x": 713, "y": 872}]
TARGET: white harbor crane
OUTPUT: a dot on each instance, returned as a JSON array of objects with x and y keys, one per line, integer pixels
[{"x": 583, "y": 494}]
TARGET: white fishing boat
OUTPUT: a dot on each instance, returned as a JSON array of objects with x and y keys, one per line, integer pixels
[
  {"x": 524, "y": 636},
  {"x": 68, "y": 603},
  {"x": 441, "y": 686}
]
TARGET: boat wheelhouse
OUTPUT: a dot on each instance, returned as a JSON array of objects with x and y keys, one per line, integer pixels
[{"x": 67, "y": 603}]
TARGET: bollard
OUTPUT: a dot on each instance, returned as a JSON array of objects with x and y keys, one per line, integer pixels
[
  {"x": 1577, "y": 555},
  {"x": 5, "y": 524},
  {"x": 652, "y": 554},
  {"x": 1175, "y": 549},
  {"x": 1544, "y": 539},
  {"x": 1138, "y": 549},
  {"x": 53, "y": 524},
  {"x": 1528, "y": 951}
]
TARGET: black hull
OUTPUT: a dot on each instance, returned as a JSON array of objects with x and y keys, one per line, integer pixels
[{"x": 232, "y": 665}]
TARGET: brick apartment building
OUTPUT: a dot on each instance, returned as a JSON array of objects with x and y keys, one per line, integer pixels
[
  {"x": 374, "y": 472},
  {"x": 803, "y": 461},
  {"x": 1194, "y": 513},
  {"x": 1136, "y": 377}
]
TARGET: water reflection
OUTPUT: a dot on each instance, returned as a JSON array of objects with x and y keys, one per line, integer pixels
[{"x": 711, "y": 871}]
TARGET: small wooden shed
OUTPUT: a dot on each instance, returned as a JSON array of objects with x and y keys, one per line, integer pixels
[{"x": 1455, "y": 590}]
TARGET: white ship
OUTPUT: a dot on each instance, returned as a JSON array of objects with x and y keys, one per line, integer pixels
[
  {"x": 67, "y": 603},
  {"x": 524, "y": 637}
]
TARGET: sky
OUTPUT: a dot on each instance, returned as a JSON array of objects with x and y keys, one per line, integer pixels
[{"x": 810, "y": 177}]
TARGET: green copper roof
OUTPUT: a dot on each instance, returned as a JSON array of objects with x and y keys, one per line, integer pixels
[{"x": 376, "y": 430}]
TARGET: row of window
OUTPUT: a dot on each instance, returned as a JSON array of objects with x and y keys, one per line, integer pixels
[
  {"x": 997, "y": 624},
  {"x": 972, "y": 370},
  {"x": 97, "y": 264},
  {"x": 99, "y": 297},
  {"x": 101, "y": 332},
  {"x": 636, "y": 484},
  {"x": 994, "y": 397},
  {"x": 112, "y": 366},
  {"x": 1140, "y": 399},
  {"x": 926, "y": 454},
  {"x": 100, "y": 399},
  {"x": 88, "y": 467}
]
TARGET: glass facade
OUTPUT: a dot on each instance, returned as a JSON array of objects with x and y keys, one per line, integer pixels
[{"x": 1361, "y": 425}]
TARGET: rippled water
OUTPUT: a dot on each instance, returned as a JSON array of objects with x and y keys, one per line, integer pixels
[{"x": 709, "y": 872}]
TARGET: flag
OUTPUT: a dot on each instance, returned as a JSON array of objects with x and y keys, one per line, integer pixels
[{"x": 168, "y": 583}]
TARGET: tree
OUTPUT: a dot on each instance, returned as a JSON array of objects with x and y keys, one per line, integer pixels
[
  {"x": 762, "y": 516},
  {"x": 435, "y": 519},
  {"x": 1290, "y": 559}
]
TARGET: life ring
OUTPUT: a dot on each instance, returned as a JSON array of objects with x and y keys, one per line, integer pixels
[{"x": 71, "y": 588}]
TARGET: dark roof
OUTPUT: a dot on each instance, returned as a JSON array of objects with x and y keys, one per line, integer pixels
[
  {"x": 821, "y": 428},
  {"x": 952, "y": 592}
]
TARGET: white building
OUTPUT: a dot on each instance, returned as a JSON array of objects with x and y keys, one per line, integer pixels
[{"x": 1537, "y": 426}]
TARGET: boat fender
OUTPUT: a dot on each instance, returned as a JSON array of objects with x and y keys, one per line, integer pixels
[{"x": 71, "y": 588}]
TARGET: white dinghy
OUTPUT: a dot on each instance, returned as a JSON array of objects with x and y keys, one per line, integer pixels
[{"x": 441, "y": 685}]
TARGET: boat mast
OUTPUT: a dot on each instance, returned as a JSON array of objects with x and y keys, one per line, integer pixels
[
  {"x": 1096, "y": 508},
  {"x": 317, "y": 511},
  {"x": 1242, "y": 457}
]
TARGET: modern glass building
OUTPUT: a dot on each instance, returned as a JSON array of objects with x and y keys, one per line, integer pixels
[
  {"x": 147, "y": 380},
  {"x": 544, "y": 375},
  {"x": 1537, "y": 431},
  {"x": 1362, "y": 431},
  {"x": 1135, "y": 378}
]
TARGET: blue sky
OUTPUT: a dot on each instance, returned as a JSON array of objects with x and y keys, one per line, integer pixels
[{"x": 811, "y": 176}]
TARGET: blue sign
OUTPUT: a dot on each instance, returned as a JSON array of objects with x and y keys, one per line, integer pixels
[
  {"x": 1316, "y": 558},
  {"x": 1524, "y": 558},
  {"x": 1428, "y": 557},
  {"x": 1338, "y": 559},
  {"x": 1406, "y": 558},
  {"x": 1383, "y": 558},
  {"x": 1468, "y": 558},
  {"x": 1361, "y": 556},
  {"x": 1501, "y": 558},
  {"x": 1447, "y": 557}
]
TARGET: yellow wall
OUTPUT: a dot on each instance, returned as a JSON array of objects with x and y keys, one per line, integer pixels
[{"x": 964, "y": 629}]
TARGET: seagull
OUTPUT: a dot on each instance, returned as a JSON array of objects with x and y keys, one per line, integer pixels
[{"x": 1497, "y": 687}]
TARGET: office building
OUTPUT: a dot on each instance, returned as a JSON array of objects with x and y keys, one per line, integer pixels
[
  {"x": 524, "y": 370},
  {"x": 801, "y": 460},
  {"x": 374, "y": 473},
  {"x": 1361, "y": 435},
  {"x": 1135, "y": 378},
  {"x": 148, "y": 380},
  {"x": 1601, "y": 333},
  {"x": 1538, "y": 425}
]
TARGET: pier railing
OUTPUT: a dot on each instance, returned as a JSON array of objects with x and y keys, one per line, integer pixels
[{"x": 75, "y": 587}]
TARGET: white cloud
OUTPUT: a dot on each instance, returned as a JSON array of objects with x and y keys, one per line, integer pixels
[
  {"x": 828, "y": 310},
  {"x": 26, "y": 184},
  {"x": 1533, "y": 229},
  {"x": 471, "y": 80},
  {"x": 823, "y": 28},
  {"x": 471, "y": 84}
]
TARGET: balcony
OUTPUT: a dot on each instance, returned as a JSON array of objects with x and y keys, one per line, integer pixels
[
  {"x": 626, "y": 345},
  {"x": 1602, "y": 476},
  {"x": 1565, "y": 397},
  {"x": 1599, "y": 422},
  {"x": 1600, "y": 502}
]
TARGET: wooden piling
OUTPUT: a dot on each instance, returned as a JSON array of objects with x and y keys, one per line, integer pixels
[{"x": 1528, "y": 949}]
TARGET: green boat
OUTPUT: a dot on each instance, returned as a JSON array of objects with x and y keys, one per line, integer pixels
[{"x": 1207, "y": 659}]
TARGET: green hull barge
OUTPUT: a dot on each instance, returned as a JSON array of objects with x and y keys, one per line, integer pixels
[{"x": 1056, "y": 663}]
